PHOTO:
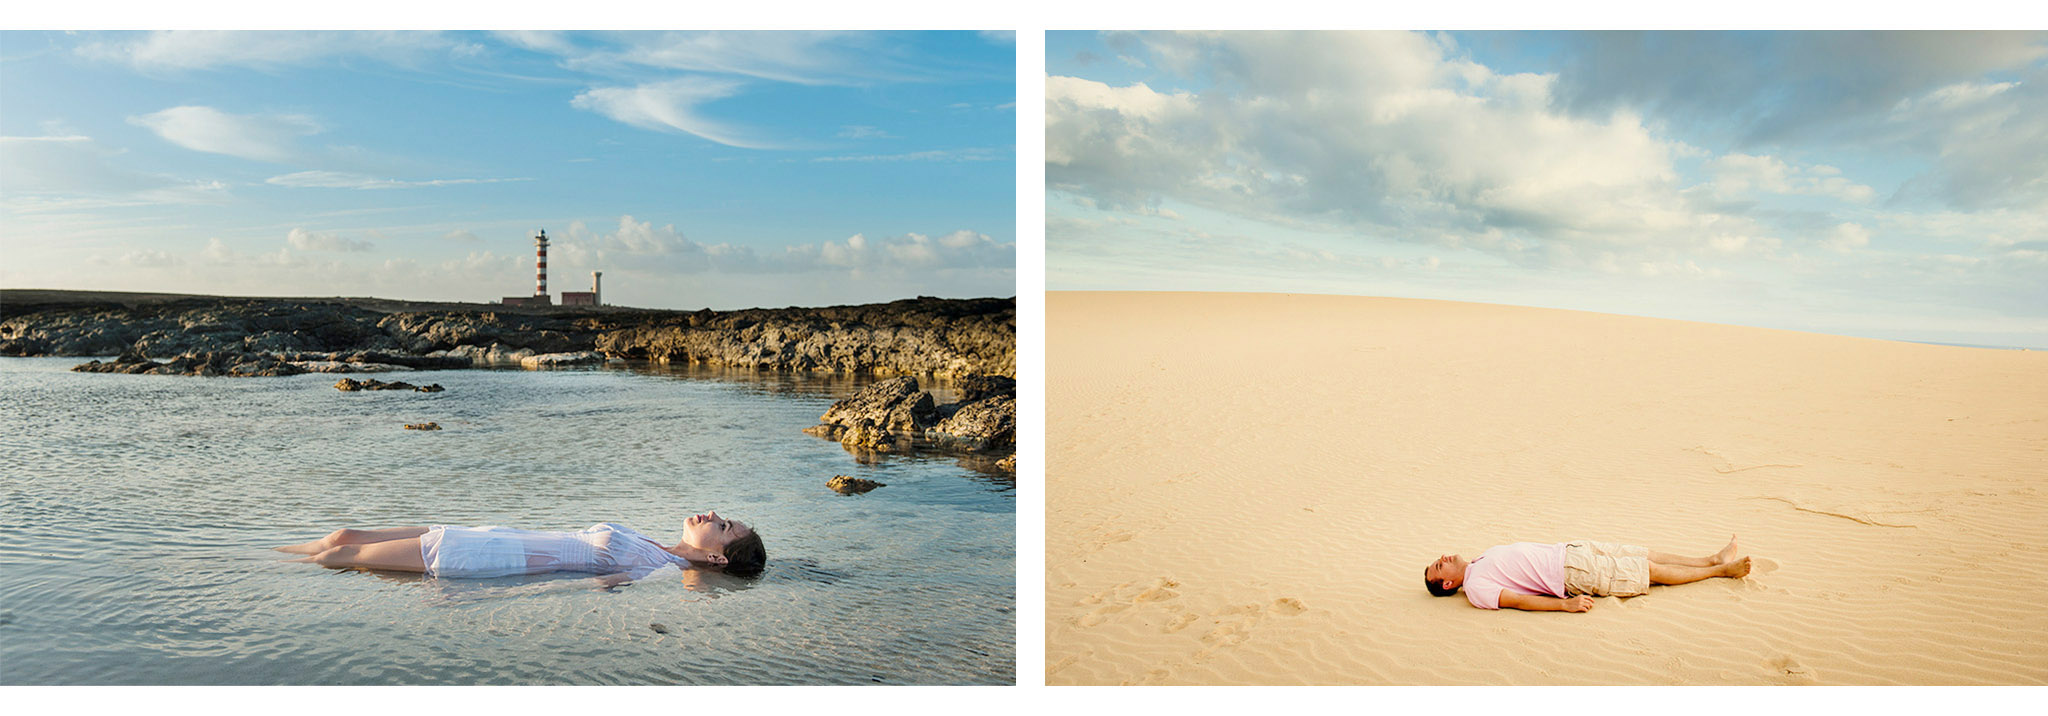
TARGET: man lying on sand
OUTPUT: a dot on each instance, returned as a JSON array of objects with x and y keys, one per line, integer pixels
[
  {"x": 616, "y": 552},
  {"x": 1565, "y": 577}
]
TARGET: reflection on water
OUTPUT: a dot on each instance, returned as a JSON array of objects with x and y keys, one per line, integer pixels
[{"x": 137, "y": 513}]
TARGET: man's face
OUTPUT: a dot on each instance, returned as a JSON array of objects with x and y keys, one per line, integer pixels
[
  {"x": 1448, "y": 567},
  {"x": 712, "y": 533}
]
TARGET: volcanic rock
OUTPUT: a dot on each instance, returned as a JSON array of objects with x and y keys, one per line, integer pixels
[{"x": 846, "y": 485}]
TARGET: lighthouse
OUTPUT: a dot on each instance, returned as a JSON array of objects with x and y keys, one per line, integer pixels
[{"x": 540, "y": 266}]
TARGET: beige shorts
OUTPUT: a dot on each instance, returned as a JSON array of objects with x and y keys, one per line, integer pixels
[{"x": 1606, "y": 569}]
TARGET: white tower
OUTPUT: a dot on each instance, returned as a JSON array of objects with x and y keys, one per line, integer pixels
[{"x": 597, "y": 287}]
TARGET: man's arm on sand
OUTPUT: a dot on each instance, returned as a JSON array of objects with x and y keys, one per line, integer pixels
[{"x": 1538, "y": 603}]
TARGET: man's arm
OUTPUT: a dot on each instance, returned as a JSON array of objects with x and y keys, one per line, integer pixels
[{"x": 1538, "y": 603}]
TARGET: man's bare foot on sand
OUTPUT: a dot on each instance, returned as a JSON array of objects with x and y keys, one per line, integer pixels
[
  {"x": 1727, "y": 554},
  {"x": 1737, "y": 569}
]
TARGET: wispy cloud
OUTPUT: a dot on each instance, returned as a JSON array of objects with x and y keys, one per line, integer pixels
[
  {"x": 863, "y": 132},
  {"x": 976, "y": 154},
  {"x": 262, "y": 137},
  {"x": 804, "y": 58},
  {"x": 671, "y": 106},
  {"x": 176, "y": 50},
  {"x": 345, "y": 180}
]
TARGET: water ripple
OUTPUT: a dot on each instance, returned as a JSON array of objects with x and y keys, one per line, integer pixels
[{"x": 137, "y": 512}]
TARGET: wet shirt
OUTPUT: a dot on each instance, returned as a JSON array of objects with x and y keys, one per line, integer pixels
[
  {"x": 603, "y": 548},
  {"x": 1523, "y": 567}
]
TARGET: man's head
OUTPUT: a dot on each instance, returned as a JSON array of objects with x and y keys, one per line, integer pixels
[
  {"x": 726, "y": 544},
  {"x": 1445, "y": 575}
]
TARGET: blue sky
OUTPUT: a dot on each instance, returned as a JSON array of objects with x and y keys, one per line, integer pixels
[
  {"x": 1890, "y": 185},
  {"x": 725, "y": 170}
]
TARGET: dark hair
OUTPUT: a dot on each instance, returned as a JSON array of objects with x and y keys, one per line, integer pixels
[
  {"x": 1436, "y": 587},
  {"x": 745, "y": 555}
]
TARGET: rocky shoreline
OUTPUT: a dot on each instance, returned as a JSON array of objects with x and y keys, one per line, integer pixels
[
  {"x": 971, "y": 341},
  {"x": 923, "y": 336}
]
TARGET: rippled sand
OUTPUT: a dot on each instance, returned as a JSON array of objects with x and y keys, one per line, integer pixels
[{"x": 1246, "y": 488}]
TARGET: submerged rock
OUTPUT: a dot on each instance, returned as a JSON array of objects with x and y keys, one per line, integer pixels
[
  {"x": 847, "y": 485},
  {"x": 207, "y": 364},
  {"x": 423, "y": 426},
  {"x": 555, "y": 360},
  {"x": 352, "y": 385},
  {"x": 335, "y": 366}
]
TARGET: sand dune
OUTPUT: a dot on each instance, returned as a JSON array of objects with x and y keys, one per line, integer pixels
[{"x": 1245, "y": 488}]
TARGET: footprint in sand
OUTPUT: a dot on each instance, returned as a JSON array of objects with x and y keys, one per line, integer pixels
[
  {"x": 1787, "y": 670},
  {"x": 1124, "y": 596},
  {"x": 1288, "y": 606},
  {"x": 1100, "y": 614},
  {"x": 1159, "y": 591},
  {"x": 1762, "y": 565},
  {"x": 1227, "y": 635}
]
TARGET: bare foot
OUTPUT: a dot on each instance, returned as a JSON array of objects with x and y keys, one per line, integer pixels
[
  {"x": 1727, "y": 553},
  {"x": 1737, "y": 569}
]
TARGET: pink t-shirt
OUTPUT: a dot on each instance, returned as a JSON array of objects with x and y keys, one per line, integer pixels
[{"x": 1525, "y": 567}]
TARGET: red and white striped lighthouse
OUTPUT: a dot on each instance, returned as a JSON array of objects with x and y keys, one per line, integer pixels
[{"x": 540, "y": 254}]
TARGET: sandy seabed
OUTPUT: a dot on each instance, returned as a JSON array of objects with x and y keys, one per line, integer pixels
[{"x": 1245, "y": 488}]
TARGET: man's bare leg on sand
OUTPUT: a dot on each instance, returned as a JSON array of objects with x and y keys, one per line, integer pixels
[
  {"x": 1676, "y": 569},
  {"x": 1726, "y": 555},
  {"x": 341, "y": 537}
]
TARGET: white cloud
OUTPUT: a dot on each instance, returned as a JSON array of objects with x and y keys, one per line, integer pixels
[
  {"x": 1846, "y": 237},
  {"x": 268, "y": 138},
  {"x": 670, "y": 105},
  {"x": 639, "y": 245},
  {"x": 462, "y": 235},
  {"x": 304, "y": 240},
  {"x": 345, "y": 180},
  {"x": 909, "y": 251},
  {"x": 138, "y": 258},
  {"x": 1737, "y": 175},
  {"x": 1371, "y": 133}
]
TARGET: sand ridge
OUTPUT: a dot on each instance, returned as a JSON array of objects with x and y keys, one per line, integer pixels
[{"x": 1244, "y": 488}]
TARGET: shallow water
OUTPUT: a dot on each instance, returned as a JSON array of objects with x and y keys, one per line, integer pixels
[{"x": 137, "y": 515}]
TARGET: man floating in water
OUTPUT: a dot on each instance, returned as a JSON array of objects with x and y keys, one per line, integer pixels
[
  {"x": 1566, "y": 576},
  {"x": 616, "y": 553}
]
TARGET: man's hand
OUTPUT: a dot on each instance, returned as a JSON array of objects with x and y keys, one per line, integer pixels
[{"x": 1578, "y": 604}]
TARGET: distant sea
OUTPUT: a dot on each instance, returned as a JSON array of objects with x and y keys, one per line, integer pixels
[{"x": 139, "y": 513}]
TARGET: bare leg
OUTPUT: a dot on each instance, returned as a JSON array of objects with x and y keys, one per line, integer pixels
[
  {"x": 1680, "y": 574},
  {"x": 341, "y": 537},
  {"x": 1726, "y": 555},
  {"x": 398, "y": 555}
]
